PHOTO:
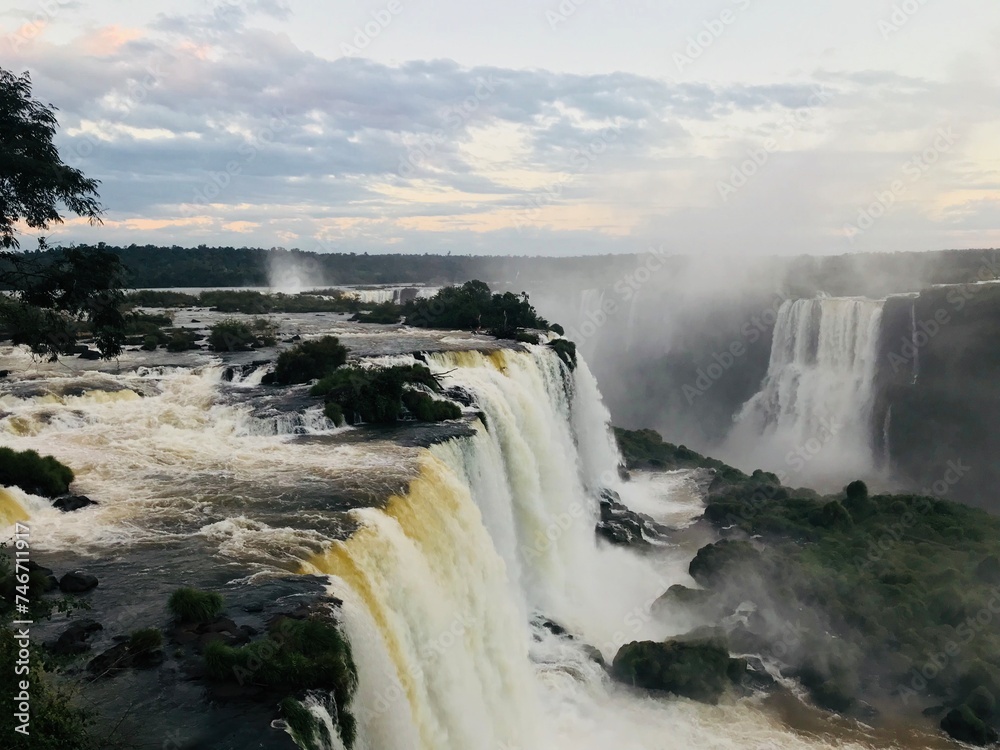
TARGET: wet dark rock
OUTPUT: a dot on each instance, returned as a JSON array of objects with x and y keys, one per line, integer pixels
[
  {"x": 460, "y": 395},
  {"x": 69, "y": 503},
  {"x": 756, "y": 677},
  {"x": 89, "y": 354},
  {"x": 624, "y": 527},
  {"x": 553, "y": 627},
  {"x": 714, "y": 561},
  {"x": 830, "y": 691},
  {"x": 74, "y": 639},
  {"x": 77, "y": 582},
  {"x": 683, "y": 597},
  {"x": 595, "y": 654},
  {"x": 111, "y": 662}
]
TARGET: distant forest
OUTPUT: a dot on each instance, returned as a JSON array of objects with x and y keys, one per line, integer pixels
[{"x": 166, "y": 267}]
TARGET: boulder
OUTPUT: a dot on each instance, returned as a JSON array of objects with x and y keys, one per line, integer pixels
[
  {"x": 982, "y": 702},
  {"x": 713, "y": 561},
  {"x": 88, "y": 353},
  {"x": 110, "y": 662},
  {"x": 69, "y": 503},
  {"x": 756, "y": 677},
  {"x": 682, "y": 596},
  {"x": 963, "y": 725},
  {"x": 700, "y": 670},
  {"x": 74, "y": 639},
  {"x": 624, "y": 527},
  {"x": 77, "y": 582},
  {"x": 460, "y": 395}
]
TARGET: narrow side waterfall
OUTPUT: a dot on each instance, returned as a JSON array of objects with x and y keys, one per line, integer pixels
[{"x": 811, "y": 419}]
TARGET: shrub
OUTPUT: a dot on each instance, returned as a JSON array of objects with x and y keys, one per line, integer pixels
[
  {"x": 149, "y": 343},
  {"x": 181, "y": 341},
  {"x": 236, "y": 336},
  {"x": 37, "y": 475},
  {"x": 310, "y": 360},
  {"x": 56, "y": 721},
  {"x": 145, "y": 640},
  {"x": 143, "y": 323},
  {"x": 191, "y": 605},
  {"x": 429, "y": 409}
]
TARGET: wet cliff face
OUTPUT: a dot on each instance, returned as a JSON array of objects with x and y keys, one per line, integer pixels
[{"x": 940, "y": 392}]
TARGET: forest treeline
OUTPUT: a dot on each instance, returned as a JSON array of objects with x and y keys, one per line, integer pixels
[{"x": 151, "y": 266}]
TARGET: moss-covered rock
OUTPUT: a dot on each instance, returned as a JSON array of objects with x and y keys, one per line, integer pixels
[
  {"x": 296, "y": 655},
  {"x": 566, "y": 350},
  {"x": 377, "y": 395},
  {"x": 700, "y": 670},
  {"x": 715, "y": 561},
  {"x": 35, "y": 474},
  {"x": 963, "y": 725}
]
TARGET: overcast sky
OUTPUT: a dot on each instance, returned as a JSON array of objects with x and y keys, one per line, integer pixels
[{"x": 526, "y": 126}]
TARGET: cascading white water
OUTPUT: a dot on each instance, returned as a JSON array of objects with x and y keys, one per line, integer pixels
[
  {"x": 811, "y": 419},
  {"x": 439, "y": 585}
]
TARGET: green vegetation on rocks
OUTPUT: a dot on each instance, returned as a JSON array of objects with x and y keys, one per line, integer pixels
[
  {"x": 386, "y": 313},
  {"x": 309, "y": 360},
  {"x": 35, "y": 474},
  {"x": 296, "y": 655},
  {"x": 473, "y": 307},
  {"x": 646, "y": 449},
  {"x": 699, "y": 669},
  {"x": 566, "y": 350},
  {"x": 55, "y": 720},
  {"x": 870, "y": 589},
  {"x": 232, "y": 335},
  {"x": 378, "y": 395}
]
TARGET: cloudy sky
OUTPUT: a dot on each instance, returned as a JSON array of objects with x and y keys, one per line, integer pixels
[{"x": 526, "y": 126}]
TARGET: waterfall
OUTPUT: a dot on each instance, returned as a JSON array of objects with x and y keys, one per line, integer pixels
[
  {"x": 496, "y": 528},
  {"x": 444, "y": 585},
  {"x": 811, "y": 419}
]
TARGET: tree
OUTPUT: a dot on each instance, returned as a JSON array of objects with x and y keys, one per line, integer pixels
[{"x": 55, "y": 298}]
